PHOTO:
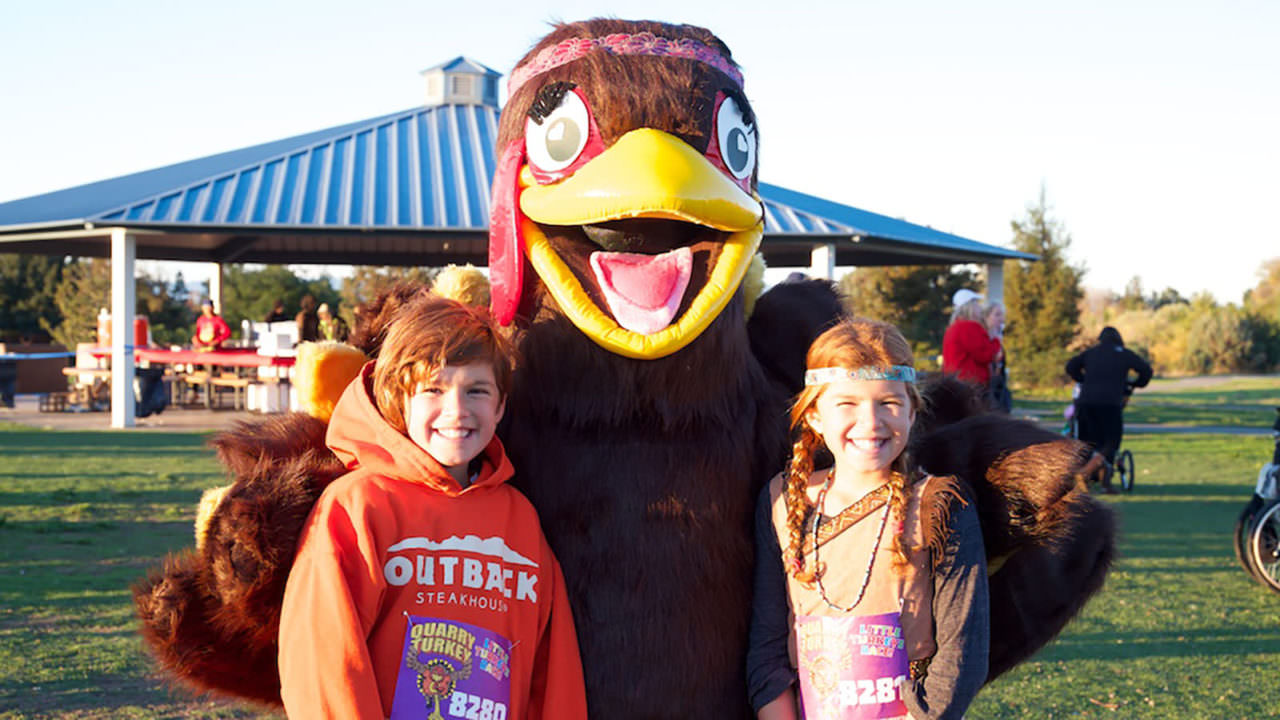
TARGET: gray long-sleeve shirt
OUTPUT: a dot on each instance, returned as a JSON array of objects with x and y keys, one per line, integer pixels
[{"x": 961, "y": 617}]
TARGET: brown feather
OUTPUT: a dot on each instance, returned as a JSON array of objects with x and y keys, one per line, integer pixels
[
  {"x": 212, "y": 619},
  {"x": 174, "y": 606},
  {"x": 1053, "y": 541}
]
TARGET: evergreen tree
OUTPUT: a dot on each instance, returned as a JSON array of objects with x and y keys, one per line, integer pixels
[
  {"x": 27, "y": 305},
  {"x": 1041, "y": 300},
  {"x": 85, "y": 289},
  {"x": 917, "y": 299}
]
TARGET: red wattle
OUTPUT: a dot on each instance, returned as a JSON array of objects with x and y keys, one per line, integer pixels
[{"x": 506, "y": 243}]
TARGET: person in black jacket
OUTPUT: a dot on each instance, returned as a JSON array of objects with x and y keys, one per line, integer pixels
[{"x": 1105, "y": 385}]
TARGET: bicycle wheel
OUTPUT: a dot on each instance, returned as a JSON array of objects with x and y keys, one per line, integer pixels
[
  {"x": 1264, "y": 546},
  {"x": 1124, "y": 468},
  {"x": 1244, "y": 526}
]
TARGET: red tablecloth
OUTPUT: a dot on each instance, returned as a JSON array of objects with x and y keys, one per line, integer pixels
[{"x": 239, "y": 357}]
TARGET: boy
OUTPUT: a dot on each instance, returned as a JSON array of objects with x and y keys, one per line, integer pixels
[{"x": 423, "y": 586}]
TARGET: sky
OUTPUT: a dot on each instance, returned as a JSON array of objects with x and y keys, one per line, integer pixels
[{"x": 1152, "y": 127}]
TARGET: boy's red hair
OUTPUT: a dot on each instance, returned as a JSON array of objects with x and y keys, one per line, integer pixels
[{"x": 427, "y": 333}]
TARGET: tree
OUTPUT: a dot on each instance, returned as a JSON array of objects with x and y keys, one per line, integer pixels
[
  {"x": 366, "y": 281},
  {"x": 1262, "y": 303},
  {"x": 248, "y": 294},
  {"x": 171, "y": 317},
  {"x": 1041, "y": 299},
  {"x": 27, "y": 306},
  {"x": 1168, "y": 296},
  {"x": 1220, "y": 340},
  {"x": 1133, "y": 299},
  {"x": 85, "y": 289},
  {"x": 917, "y": 299}
]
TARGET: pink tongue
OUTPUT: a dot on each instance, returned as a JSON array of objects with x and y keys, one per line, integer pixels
[{"x": 643, "y": 291}]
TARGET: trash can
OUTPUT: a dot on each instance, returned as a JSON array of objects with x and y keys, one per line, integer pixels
[
  {"x": 8, "y": 380},
  {"x": 153, "y": 397}
]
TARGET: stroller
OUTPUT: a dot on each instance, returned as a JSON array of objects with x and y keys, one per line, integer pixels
[
  {"x": 1097, "y": 469},
  {"x": 1257, "y": 534}
]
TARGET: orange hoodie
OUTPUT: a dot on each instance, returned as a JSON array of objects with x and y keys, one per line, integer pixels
[{"x": 413, "y": 597}]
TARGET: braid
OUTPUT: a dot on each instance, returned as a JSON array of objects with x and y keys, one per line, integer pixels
[
  {"x": 798, "y": 506},
  {"x": 898, "y": 505}
]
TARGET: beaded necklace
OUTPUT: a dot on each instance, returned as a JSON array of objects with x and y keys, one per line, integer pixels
[{"x": 866, "y": 576}]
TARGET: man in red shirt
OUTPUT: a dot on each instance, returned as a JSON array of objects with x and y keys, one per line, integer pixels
[{"x": 211, "y": 329}]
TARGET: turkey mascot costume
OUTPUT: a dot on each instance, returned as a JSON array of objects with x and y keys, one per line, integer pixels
[{"x": 649, "y": 405}]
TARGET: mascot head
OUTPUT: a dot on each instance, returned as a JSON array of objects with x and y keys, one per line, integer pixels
[{"x": 626, "y": 182}]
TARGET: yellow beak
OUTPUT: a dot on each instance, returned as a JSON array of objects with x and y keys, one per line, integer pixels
[{"x": 647, "y": 173}]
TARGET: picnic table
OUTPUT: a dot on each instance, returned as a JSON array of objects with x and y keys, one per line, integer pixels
[{"x": 204, "y": 375}]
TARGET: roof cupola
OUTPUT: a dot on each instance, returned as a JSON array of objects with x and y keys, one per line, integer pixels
[{"x": 461, "y": 81}]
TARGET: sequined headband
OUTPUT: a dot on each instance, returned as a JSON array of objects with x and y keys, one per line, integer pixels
[
  {"x": 645, "y": 43},
  {"x": 822, "y": 376}
]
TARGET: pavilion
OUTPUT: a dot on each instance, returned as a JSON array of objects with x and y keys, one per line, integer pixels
[{"x": 410, "y": 188}]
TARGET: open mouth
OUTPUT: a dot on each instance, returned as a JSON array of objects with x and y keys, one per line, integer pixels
[
  {"x": 644, "y": 272},
  {"x": 454, "y": 433}
]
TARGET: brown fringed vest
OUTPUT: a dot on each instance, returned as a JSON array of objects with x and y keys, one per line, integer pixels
[{"x": 845, "y": 541}]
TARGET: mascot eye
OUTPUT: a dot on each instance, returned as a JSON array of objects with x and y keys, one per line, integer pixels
[
  {"x": 737, "y": 139},
  {"x": 559, "y": 139}
]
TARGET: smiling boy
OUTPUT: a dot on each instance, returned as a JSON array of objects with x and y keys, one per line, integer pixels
[{"x": 423, "y": 585}]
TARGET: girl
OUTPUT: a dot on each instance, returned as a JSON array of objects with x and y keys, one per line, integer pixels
[{"x": 871, "y": 583}]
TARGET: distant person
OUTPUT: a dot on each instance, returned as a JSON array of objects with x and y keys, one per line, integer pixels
[
  {"x": 332, "y": 327},
  {"x": 968, "y": 347},
  {"x": 277, "y": 313},
  {"x": 1105, "y": 386},
  {"x": 308, "y": 321},
  {"x": 211, "y": 329},
  {"x": 999, "y": 397}
]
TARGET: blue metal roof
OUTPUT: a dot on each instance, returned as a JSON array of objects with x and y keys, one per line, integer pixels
[
  {"x": 423, "y": 170},
  {"x": 791, "y": 212}
]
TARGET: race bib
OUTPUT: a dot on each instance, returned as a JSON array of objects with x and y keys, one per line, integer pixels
[
  {"x": 851, "y": 667},
  {"x": 451, "y": 670}
]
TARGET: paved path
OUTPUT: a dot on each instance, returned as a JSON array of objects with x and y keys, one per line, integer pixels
[{"x": 26, "y": 411}]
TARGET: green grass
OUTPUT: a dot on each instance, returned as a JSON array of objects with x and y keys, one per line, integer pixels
[
  {"x": 1245, "y": 402},
  {"x": 82, "y": 516},
  {"x": 1179, "y": 630}
]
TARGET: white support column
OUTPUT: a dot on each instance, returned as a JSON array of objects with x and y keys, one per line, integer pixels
[
  {"x": 215, "y": 286},
  {"x": 123, "y": 298},
  {"x": 822, "y": 262},
  {"x": 995, "y": 282}
]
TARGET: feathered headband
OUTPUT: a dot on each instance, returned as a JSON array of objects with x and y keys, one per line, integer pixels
[{"x": 645, "y": 43}]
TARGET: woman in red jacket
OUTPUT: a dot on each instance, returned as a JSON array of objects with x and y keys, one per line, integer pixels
[{"x": 969, "y": 347}]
